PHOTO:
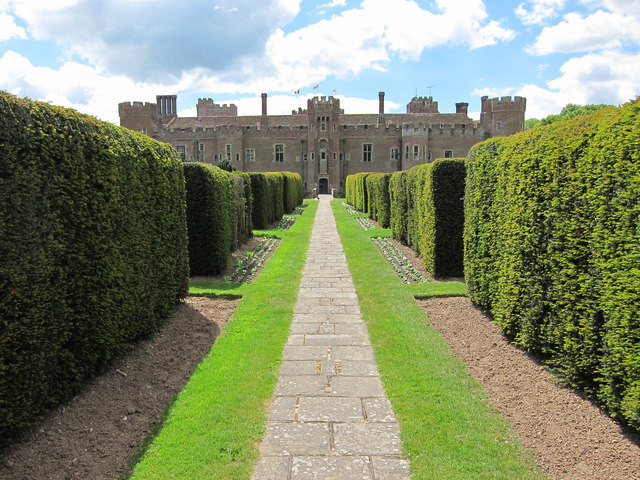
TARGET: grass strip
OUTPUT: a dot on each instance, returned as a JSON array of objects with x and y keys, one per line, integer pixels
[
  {"x": 449, "y": 430},
  {"x": 215, "y": 424}
]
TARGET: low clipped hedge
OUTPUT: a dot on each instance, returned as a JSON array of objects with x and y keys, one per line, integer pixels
[
  {"x": 293, "y": 191},
  {"x": 552, "y": 248},
  {"x": 93, "y": 250},
  {"x": 442, "y": 221}
]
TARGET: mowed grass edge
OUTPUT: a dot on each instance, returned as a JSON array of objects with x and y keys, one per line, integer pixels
[
  {"x": 449, "y": 430},
  {"x": 214, "y": 426}
]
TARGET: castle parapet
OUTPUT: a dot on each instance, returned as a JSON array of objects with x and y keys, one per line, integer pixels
[
  {"x": 422, "y": 105},
  {"x": 206, "y": 108}
]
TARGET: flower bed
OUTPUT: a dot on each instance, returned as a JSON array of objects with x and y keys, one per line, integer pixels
[
  {"x": 398, "y": 261},
  {"x": 248, "y": 266},
  {"x": 286, "y": 222}
]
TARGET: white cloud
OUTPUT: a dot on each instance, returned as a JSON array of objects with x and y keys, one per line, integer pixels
[
  {"x": 157, "y": 39},
  {"x": 8, "y": 27},
  {"x": 540, "y": 11},
  {"x": 607, "y": 77},
  {"x": 74, "y": 85},
  {"x": 598, "y": 31}
]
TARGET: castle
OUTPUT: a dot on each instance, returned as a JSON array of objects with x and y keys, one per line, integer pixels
[{"x": 321, "y": 142}]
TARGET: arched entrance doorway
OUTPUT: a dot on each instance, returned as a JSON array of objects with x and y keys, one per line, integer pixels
[{"x": 323, "y": 185}]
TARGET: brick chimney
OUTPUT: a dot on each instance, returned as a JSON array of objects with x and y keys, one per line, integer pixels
[
  {"x": 264, "y": 104},
  {"x": 462, "y": 107},
  {"x": 381, "y": 103}
]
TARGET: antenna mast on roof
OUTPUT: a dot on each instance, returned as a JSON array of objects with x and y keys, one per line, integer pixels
[{"x": 430, "y": 87}]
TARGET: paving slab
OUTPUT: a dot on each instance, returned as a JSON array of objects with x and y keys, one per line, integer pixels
[{"x": 329, "y": 418}]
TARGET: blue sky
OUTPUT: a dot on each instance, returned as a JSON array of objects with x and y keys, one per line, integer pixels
[{"x": 92, "y": 54}]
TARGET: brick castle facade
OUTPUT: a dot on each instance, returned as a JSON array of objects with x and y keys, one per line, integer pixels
[{"x": 321, "y": 142}]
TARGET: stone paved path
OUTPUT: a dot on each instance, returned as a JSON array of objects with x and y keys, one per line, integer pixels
[{"x": 330, "y": 418}]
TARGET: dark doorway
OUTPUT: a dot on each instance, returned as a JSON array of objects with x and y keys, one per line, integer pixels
[{"x": 323, "y": 186}]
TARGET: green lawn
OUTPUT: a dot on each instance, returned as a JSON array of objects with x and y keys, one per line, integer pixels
[
  {"x": 448, "y": 428},
  {"x": 213, "y": 428}
]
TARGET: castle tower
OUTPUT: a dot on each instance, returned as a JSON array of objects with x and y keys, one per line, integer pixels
[
  {"x": 422, "y": 105},
  {"x": 138, "y": 116},
  {"x": 500, "y": 117}
]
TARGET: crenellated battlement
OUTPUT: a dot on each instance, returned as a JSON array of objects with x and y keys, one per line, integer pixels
[
  {"x": 207, "y": 108},
  {"x": 422, "y": 105},
  {"x": 506, "y": 103},
  {"x": 137, "y": 109},
  {"x": 324, "y": 104}
]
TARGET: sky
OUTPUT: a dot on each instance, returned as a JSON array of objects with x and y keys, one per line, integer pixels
[{"x": 91, "y": 55}]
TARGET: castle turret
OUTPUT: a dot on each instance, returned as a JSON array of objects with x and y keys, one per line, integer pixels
[
  {"x": 422, "y": 105},
  {"x": 138, "y": 116},
  {"x": 206, "y": 108},
  {"x": 502, "y": 116}
]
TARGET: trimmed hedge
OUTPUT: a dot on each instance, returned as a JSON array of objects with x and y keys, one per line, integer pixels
[
  {"x": 398, "y": 206},
  {"x": 243, "y": 203},
  {"x": 262, "y": 210},
  {"x": 293, "y": 191},
  {"x": 210, "y": 217},
  {"x": 377, "y": 186},
  {"x": 275, "y": 180},
  {"x": 93, "y": 250},
  {"x": 360, "y": 195},
  {"x": 442, "y": 223},
  {"x": 416, "y": 179},
  {"x": 350, "y": 190},
  {"x": 552, "y": 248}
]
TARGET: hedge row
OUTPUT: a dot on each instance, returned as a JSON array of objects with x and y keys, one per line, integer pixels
[
  {"x": 552, "y": 248},
  {"x": 377, "y": 187},
  {"x": 424, "y": 207},
  {"x": 210, "y": 217},
  {"x": 293, "y": 191},
  {"x": 223, "y": 207},
  {"x": 93, "y": 251},
  {"x": 427, "y": 213}
]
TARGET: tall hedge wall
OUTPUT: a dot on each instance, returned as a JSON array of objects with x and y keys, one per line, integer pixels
[
  {"x": 350, "y": 190},
  {"x": 93, "y": 251},
  {"x": 243, "y": 207},
  {"x": 360, "y": 197},
  {"x": 262, "y": 210},
  {"x": 210, "y": 217},
  {"x": 377, "y": 187},
  {"x": 398, "y": 206},
  {"x": 275, "y": 180},
  {"x": 293, "y": 191},
  {"x": 552, "y": 248},
  {"x": 442, "y": 221},
  {"x": 416, "y": 179}
]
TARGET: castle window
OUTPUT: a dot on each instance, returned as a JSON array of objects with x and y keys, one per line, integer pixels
[
  {"x": 366, "y": 152},
  {"x": 323, "y": 124},
  {"x": 335, "y": 127},
  {"x": 499, "y": 126},
  {"x": 366, "y": 126},
  {"x": 279, "y": 153},
  {"x": 228, "y": 148},
  {"x": 250, "y": 155},
  {"x": 305, "y": 157},
  {"x": 144, "y": 130},
  {"x": 448, "y": 153},
  {"x": 237, "y": 157},
  {"x": 181, "y": 149},
  {"x": 415, "y": 152},
  {"x": 334, "y": 155},
  {"x": 323, "y": 156},
  {"x": 313, "y": 156},
  {"x": 201, "y": 157},
  {"x": 201, "y": 147},
  {"x": 406, "y": 152},
  {"x": 395, "y": 154}
]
